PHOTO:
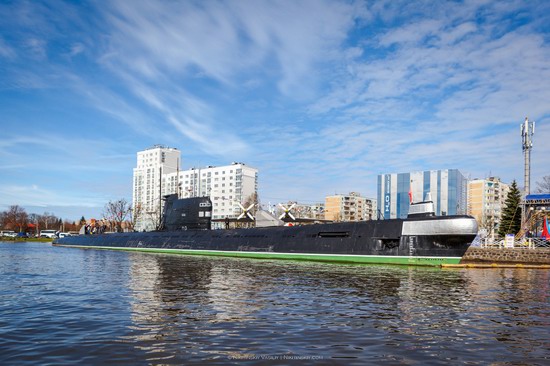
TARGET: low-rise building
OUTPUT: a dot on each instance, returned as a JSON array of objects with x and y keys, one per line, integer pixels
[
  {"x": 302, "y": 210},
  {"x": 350, "y": 207}
]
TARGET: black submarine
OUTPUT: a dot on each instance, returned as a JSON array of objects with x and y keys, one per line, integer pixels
[{"x": 420, "y": 239}]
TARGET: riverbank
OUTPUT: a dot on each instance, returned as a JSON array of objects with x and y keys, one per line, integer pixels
[{"x": 39, "y": 240}]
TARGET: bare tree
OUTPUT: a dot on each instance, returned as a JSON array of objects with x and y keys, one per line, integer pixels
[
  {"x": 249, "y": 201},
  {"x": 544, "y": 185},
  {"x": 16, "y": 218},
  {"x": 252, "y": 200},
  {"x": 155, "y": 217},
  {"x": 136, "y": 215},
  {"x": 117, "y": 212},
  {"x": 34, "y": 218},
  {"x": 47, "y": 219},
  {"x": 70, "y": 226},
  {"x": 489, "y": 225}
]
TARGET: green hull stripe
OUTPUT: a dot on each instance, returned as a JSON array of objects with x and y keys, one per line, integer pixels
[{"x": 342, "y": 258}]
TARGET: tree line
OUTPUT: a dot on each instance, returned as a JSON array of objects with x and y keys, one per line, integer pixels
[
  {"x": 17, "y": 219},
  {"x": 119, "y": 215},
  {"x": 116, "y": 214}
]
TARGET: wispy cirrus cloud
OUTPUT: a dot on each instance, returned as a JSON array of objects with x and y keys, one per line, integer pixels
[
  {"x": 446, "y": 75},
  {"x": 155, "y": 38},
  {"x": 155, "y": 50},
  {"x": 35, "y": 195},
  {"x": 81, "y": 156}
]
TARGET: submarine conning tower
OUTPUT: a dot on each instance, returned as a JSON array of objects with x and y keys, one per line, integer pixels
[
  {"x": 422, "y": 209},
  {"x": 186, "y": 214}
]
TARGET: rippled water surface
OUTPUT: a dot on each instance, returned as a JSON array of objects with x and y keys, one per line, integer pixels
[{"x": 68, "y": 306}]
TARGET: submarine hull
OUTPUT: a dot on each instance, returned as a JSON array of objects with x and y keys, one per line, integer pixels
[{"x": 428, "y": 241}]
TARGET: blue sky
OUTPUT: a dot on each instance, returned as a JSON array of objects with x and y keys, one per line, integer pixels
[{"x": 320, "y": 96}]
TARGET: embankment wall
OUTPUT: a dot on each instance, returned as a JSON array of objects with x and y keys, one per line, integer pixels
[{"x": 507, "y": 255}]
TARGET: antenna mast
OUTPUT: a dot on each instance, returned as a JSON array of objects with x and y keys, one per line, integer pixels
[{"x": 527, "y": 132}]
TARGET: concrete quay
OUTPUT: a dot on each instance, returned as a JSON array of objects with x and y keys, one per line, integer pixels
[{"x": 514, "y": 257}]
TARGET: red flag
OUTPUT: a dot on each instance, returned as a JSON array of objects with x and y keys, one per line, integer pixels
[{"x": 545, "y": 233}]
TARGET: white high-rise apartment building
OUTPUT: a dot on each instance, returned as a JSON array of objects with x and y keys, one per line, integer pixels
[
  {"x": 152, "y": 164},
  {"x": 225, "y": 185}
]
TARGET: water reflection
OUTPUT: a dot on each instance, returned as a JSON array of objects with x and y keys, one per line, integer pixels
[
  {"x": 229, "y": 308},
  {"x": 93, "y": 307}
]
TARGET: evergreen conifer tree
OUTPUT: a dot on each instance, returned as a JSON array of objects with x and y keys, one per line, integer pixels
[{"x": 510, "y": 222}]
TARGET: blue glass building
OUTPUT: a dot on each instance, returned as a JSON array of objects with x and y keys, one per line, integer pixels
[{"x": 448, "y": 189}]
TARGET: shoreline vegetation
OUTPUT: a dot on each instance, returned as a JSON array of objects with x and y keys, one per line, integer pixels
[{"x": 41, "y": 240}]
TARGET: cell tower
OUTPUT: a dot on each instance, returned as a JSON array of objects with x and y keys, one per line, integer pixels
[{"x": 527, "y": 132}]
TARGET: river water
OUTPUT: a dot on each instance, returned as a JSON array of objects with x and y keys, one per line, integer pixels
[{"x": 73, "y": 306}]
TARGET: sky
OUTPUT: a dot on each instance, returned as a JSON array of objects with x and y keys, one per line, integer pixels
[{"x": 320, "y": 96}]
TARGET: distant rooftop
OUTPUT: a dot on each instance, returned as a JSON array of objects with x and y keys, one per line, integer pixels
[
  {"x": 160, "y": 147},
  {"x": 540, "y": 196}
]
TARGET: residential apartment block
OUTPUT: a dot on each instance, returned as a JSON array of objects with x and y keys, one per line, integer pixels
[
  {"x": 225, "y": 185},
  {"x": 351, "y": 207},
  {"x": 485, "y": 202},
  {"x": 152, "y": 164},
  {"x": 157, "y": 174},
  {"x": 301, "y": 210},
  {"x": 448, "y": 189}
]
